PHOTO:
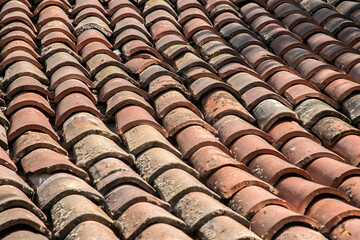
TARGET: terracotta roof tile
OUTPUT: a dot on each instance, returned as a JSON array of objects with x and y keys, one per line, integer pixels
[
  {"x": 140, "y": 214},
  {"x": 32, "y": 140},
  {"x": 77, "y": 209},
  {"x": 88, "y": 229},
  {"x": 209, "y": 159},
  {"x": 248, "y": 201},
  {"x": 188, "y": 208},
  {"x": 162, "y": 231},
  {"x": 36, "y": 162}
]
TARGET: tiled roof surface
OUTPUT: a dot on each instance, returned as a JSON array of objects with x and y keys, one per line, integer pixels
[{"x": 190, "y": 119}]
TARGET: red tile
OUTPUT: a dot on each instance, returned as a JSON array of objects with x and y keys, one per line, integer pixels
[
  {"x": 23, "y": 84},
  {"x": 194, "y": 137},
  {"x": 301, "y": 151},
  {"x": 89, "y": 36},
  {"x": 154, "y": 161},
  {"x": 52, "y": 13},
  {"x": 18, "y": 16},
  {"x": 66, "y": 73},
  {"x": 35, "y": 162},
  {"x": 330, "y": 172},
  {"x": 305, "y": 193},
  {"x": 18, "y": 45},
  {"x": 117, "y": 4},
  {"x": 143, "y": 137},
  {"x": 135, "y": 46},
  {"x": 218, "y": 104},
  {"x": 54, "y": 26},
  {"x": 65, "y": 5},
  {"x": 325, "y": 76},
  {"x": 174, "y": 184},
  {"x": 162, "y": 231},
  {"x": 255, "y": 55},
  {"x": 17, "y": 35},
  {"x": 187, "y": 208},
  {"x": 205, "y": 85},
  {"x": 331, "y": 129},
  {"x": 131, "y": 116},
  {"x": 82, "y": 4},
  {"x": 330, "y": 212},
  {"x": 269, "y": 67},
  {"x": 17, "y": 26},
  {"x": 285, "y": 9},
  {"x": 34, "y": 120},
  {"x": 24, "y": 234},
  {"x": 347, "y": 148},
  {"x": 347, "y": 229},
  {"x": 306, "y": 29},
  {"x": 298, "y": 93},
  {"x": 285, "y": 130},
  {"x": 118, "y": 85},
  {"x": 300, "y": 232},
  {"x": 247, "y": 82},
  {"x": 14, "y": 217},
  {"x": 72, "y": 103},
  {"x": 248, "y": 201},
  {"x": 262, "y": 22},
  {"x": 271, "y": 169},
  {"x": 190, "y": 13},
  {"x": 194, "y": 25},
  {"x": 32, "y": 140},
  {"x": 71, "y": 86},
  {"x": 141, "y": 215},
  {"x": 256, "y": 146},
  {"x": 350, "y": 35},
  {"x": 283, "y": 80},
  {"x": 125, "y": 196},
  {"x": 90, "y": 229},
  {"x": 284, "y": 43},
  {"x": 225, "y": 18},
  {"x": 255, "y": 95},
  {"x": 125, "y": 98},
  {"x": 57, "y": 186},
  {"x": 295, "y": 18},
  {"x": 350, "y": 186},
  {"x": 229, "y": 180},
  {"x": 209, "y": 159},
  {"x": 9, "y": 177},
  {"x": 54, "y": 37},
  {"x": 180, "y": 118},
  {"x": 295, "y": 56},
  {"x": 110, "y": 173},
  {"x": 82, "y": 124},
  {"x": 325, "y": 13},
  {"x": 6, "y": 161},
  {"x": 271, "y": 219},
  {"x": 347, "y": 60},
  {"x": 85, "y": 211},
  {"x": 152, "y": 6},
  {"x": 125, "y": 12},
  {"x": 9, "y": 7},
  {"x": 232, "y": 127},
  {"x": 29, "y": 99}
]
